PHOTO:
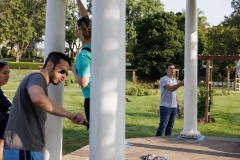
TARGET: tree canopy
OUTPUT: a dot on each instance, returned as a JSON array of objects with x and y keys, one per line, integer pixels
[
  {"x": 159, "y": 41},
  {"x": 153, "y": 37},
  {"x": 22, "y": 22},
  {"x": 71, "y": 17},
  {"x": 135, "y": 10}
]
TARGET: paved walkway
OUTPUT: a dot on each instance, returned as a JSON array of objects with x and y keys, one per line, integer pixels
[{"x": 210, "y": 148}]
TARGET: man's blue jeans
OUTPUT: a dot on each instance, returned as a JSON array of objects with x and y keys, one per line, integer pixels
[{"x": 167, "y": 118}]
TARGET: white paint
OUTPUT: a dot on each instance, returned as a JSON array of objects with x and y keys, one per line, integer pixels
[
  {"x": 238, "y": 69},
  {"x": 54, "y": 41},
  {"x": 107, "y": 115},
  {"x": 190, "y": 72}
]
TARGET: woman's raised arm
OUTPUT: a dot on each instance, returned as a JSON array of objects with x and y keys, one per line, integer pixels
[{"x": 82, "y": 9}]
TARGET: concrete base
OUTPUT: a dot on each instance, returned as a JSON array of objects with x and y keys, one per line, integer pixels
[
  {"x": 195, "y": 134},
  {"x": 213, "y": 148}
]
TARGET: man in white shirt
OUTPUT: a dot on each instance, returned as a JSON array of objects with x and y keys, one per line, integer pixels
[{"x": 168, "y": 102}]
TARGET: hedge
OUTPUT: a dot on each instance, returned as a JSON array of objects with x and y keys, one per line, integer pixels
[{"x": 25, "y": 65}]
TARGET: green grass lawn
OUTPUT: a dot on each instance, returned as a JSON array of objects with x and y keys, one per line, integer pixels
[{"x": 141, "y": 119}]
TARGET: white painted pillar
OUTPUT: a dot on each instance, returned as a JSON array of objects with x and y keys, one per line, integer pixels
[
  {"x": 238, "y": 69},
  {"x": 107, "y": 115},
  {"x": 190, "y": 71},
  {"x": 54, "y": 41}
]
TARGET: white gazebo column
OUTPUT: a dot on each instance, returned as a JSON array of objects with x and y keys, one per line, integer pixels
[
  {"x": 190, "y": 72},
  {"x": 54, "y": 41},
  {"x": 107, "y": 114}
]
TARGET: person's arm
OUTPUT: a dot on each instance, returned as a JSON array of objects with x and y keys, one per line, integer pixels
[
  {"x": 82, "y": 81},
  {"x": 39, "y": 98},
  {"x": 3, "y": 116},
  {"x": 174, "y": 87},
  {"x": 82, "y": 9}
]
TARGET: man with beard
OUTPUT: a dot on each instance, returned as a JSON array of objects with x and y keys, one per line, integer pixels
[{"x": 24, "y": 134}]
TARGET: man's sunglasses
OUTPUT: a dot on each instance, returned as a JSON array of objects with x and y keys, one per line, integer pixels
[{"x": 62, "y": 71}]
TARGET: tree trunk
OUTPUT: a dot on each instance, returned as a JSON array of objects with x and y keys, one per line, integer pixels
[
  {"x": 20, "y": 51},
  {"x": 18, "y": 56}
]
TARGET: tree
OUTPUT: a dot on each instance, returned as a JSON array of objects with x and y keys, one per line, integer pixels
[
  {"x": 159, "y": 41},
  {"x": 202, "y": 39},
  {"x": 234, "y": 19},
  {"x": 202, "y": 20},
  {"x": 71, "y": 17},
  {"x": 28, "y": 54},
  {"x": 235, "y": 4},
  {"x": 135, "y": 10},
  {"x": 19, "y": 26},
  {"x": 22, "y": 22},
  {"x": 13, "y": 53},
  {"x": 222, "y": 40},
  {"x": 89, "y": 7},
  {"x": 180, "y": 19},
  {"x": 4, "y": 52},
  {"x": 37, "y": 14},
  {"x": 34, "y": 53}
]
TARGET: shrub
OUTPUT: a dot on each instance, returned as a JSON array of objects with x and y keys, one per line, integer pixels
[
  {"x": 132, "y": 91},
  {"x": 156, "y": 85},
  {"x": 8, "y": 59},
  {"x": 24, "y": 65},
  {"x": 73, "y": 80},
  {"x": 147, "y": 92},
  {"x": 41, "y": 57},
  {"x": 66, "y": 82},
  {"x": 135, "y": 79},
  {"x": 202, "y": 94},
  {"x": 26, "y": 60},
  {"x": 34, "y": 53},
  {"x": 129, "y": 57},
  {"x": 28, "y": 54},
  {"x": 137, "y": 91},
  {"x": 13, "y": 54},
  {"x": 24, "y": 54},
  {"x": 150, "y": 86},
  {"x": 140, "y": 91},
  {"x": 201, "y": 102},
  {"x": 4, "y": 51}
]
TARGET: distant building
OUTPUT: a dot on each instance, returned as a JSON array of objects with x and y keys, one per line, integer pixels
[{"x": 40, "y": 47}]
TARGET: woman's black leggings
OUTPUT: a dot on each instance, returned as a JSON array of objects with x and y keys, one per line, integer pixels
[{"x": 87, "y": 110}]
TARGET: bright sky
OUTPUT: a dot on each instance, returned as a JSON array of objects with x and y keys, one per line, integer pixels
[
  {"x": 214, "y": 10},
  {"x": 84, "y": 3}
]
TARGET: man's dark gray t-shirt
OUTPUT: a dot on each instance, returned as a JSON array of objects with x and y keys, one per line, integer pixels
[{"x": 26, "y": 124}]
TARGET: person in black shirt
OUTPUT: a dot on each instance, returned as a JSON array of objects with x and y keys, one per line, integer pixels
[{"x": 5, "y": 103}]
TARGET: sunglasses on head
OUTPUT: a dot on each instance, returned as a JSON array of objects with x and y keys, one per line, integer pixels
[
  {"x": 80, "y": 19},
  {"x": 62, "y": 71},
  {"x": 3, "y": 62}
]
